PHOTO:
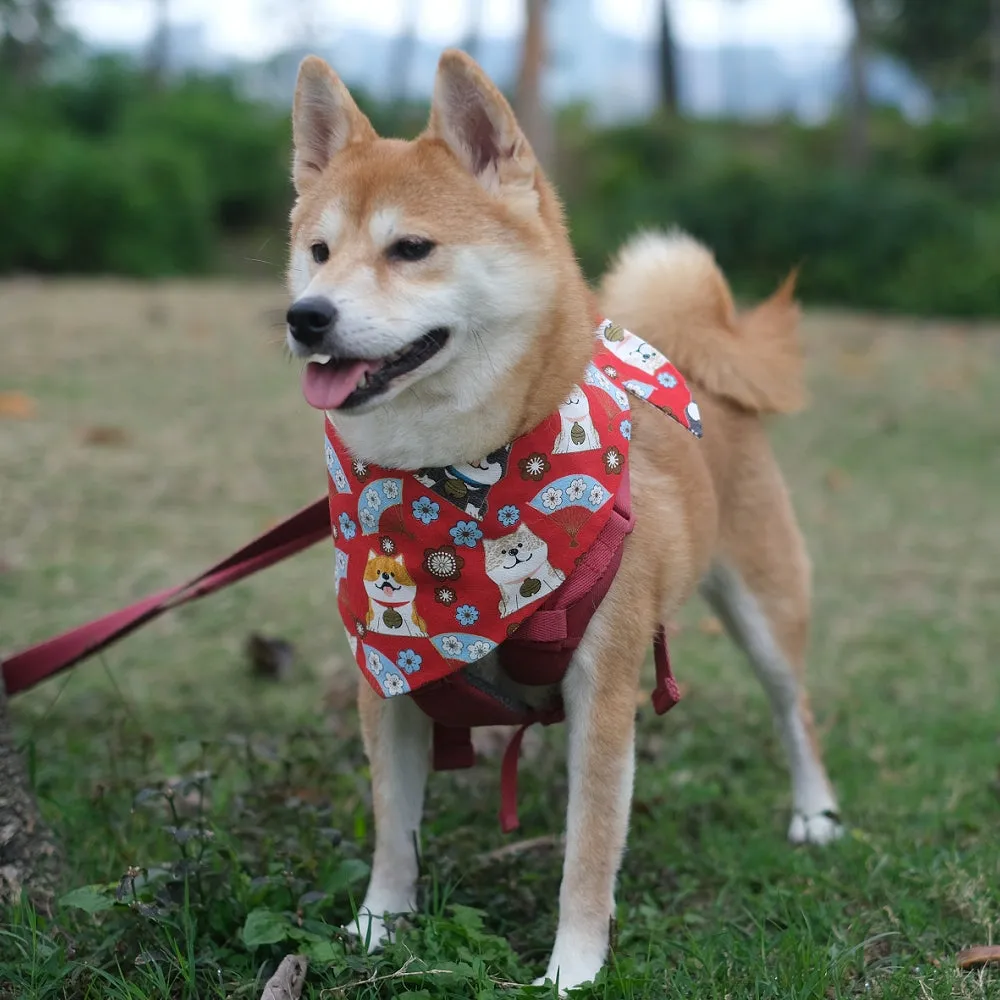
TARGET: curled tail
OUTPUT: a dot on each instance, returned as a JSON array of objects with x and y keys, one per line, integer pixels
[{"x": 668, "y": 289}]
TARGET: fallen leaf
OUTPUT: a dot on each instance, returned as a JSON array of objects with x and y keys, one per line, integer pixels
[
  {"x": 17, "y": 405},
  {"x": 288, "y": 980},
  {"x": 110, "y": 437},
  {"x": 710, "y": 626},
  {"x": 985, "y": 954}
]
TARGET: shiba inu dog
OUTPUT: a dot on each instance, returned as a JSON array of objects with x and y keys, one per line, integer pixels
[
  {"x": 391, "y": 593},
  {"x": 442, "y": 313}
]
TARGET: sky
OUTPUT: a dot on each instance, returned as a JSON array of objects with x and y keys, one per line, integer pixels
[{"x": 256, "y": 28}]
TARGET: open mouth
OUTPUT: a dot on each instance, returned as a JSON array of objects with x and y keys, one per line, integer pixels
[{"x": 343, "y": 383}]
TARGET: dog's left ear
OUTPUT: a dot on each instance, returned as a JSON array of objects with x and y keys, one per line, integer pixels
[{"x": 474, "y": 119}]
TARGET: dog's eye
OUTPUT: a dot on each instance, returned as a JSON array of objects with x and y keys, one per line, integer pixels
[
  {"x": 320, "y": 252},
  {"x": 410, "y": 248}
]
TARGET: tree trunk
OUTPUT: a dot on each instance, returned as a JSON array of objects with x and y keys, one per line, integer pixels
[
  {"x": 995, "y": 58},
  {"x": 857, "y": 104},
  {"x": 405, "y": 46},
  {"x": 473, "y": 35},
  {"x": 667, "y": 62},
  {"x": 159, "y": 44},
  {"x": 30, "y": 861},
  {"x": 528, "y": 104}
]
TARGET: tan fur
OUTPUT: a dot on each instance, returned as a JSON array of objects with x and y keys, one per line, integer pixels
[
  {"x": 670, "y": 288},
  {"x": 716, "y": 505}
]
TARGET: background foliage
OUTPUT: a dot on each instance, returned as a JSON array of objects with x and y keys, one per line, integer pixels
[{"x": 110, "y": 171}]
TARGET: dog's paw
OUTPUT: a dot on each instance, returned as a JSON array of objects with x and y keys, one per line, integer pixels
[
  {"x": 820, "y": 828},
  {"x": 370, "y": 930},
  {"x": 571, "y": 974}
]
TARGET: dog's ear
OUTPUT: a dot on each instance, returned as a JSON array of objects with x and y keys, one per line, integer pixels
[
  {"x": 324, "y": 120},
  {"x": 473, "y": 118}
]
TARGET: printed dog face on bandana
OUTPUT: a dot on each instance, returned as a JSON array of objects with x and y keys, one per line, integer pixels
[
  {"x": 468, "y": 484},
  {"x": 391, "y": 595},
  {"x": 519, "y": 565},
  {"x": 633, "y": 350},
  {"x": 577, "y": 431}
]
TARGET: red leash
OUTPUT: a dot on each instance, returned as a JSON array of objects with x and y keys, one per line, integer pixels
[
  {"x": 309, "y": 526},
  {"x": 25, "y": 669}
]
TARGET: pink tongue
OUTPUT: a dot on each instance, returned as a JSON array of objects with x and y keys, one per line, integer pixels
[{"x": 326, "y": 387}]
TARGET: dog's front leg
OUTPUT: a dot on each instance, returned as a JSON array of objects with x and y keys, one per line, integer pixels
[
  {"x": 397, "y": 740},
  {"x": 599, "y": 696}
]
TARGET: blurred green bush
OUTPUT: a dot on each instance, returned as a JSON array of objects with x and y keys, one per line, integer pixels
[
  {"x": 108, "y": 175},
  {"x": 918, "y": 232}
]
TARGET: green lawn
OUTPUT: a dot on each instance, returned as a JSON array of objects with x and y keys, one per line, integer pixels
[{"x": 169, "y": 429}]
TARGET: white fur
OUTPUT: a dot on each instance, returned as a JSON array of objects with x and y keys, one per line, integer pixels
[
  {"x": 491, "y": 302},
  {"x": 812, "y": 796},
  {"x": 331, "y": 223},
  {"x": 581, "y": 943},
  {"x": 403, "y": 749},
  {"x": 383, "y": 224},
  {"x": 300, "y": 265}
]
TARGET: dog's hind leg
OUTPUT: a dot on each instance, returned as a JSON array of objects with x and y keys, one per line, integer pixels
[
  {"x": 759, "y": 586},
  {"x": 397, "y": 738}
]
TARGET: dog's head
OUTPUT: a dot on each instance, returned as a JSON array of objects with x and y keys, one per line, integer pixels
[{"x": 427, "y": 276}]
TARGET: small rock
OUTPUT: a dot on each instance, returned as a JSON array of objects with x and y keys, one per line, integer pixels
[{"x": 270, "y": 657}]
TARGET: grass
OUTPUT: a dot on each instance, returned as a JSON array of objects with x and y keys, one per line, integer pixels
[{"x": 168, "y": 430}]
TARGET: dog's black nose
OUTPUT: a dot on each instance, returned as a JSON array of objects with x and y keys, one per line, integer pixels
[{"x": 310, "y": 320}]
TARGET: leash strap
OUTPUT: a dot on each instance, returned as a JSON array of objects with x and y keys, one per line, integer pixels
[{"x": 303, "y": 529}]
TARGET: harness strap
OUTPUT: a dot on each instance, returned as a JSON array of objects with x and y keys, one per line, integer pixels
[
  {"x": 508, "y": 782},
  {"x": 26, "y": 668},
  {"x": 453, "y": 748},
  {"x": 666, "y": 694}
]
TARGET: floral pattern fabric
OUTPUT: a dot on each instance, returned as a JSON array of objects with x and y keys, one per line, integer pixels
[{"x": 435, "y": 568}]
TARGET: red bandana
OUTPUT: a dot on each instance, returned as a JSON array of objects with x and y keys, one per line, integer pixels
[{"x": 434, "y": 569}]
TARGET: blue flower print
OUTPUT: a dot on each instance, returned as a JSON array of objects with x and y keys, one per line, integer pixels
[
  {"x": 626, "y": 428},
  {"x": 425, "y": 510},
  {"x": 409, "y": 661},
  {"x": 509, "y": 515},
  {"x": 466, "y": 533},
  {"x": 667, "y": 380},
  {"x": 467, "y": 615},
  {"x": 347, "y": 527}
]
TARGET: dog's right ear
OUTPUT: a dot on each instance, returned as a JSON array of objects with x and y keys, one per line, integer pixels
[{"x": 325, "y": 119}]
